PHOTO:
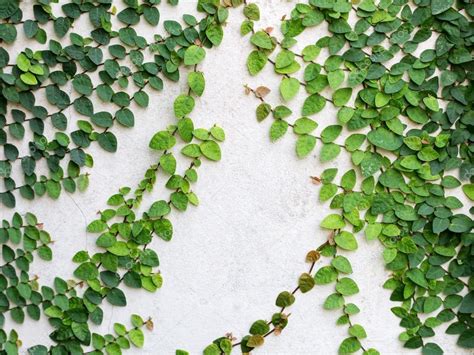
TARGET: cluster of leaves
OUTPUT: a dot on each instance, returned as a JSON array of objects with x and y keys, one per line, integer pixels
[
  {"x": 48, "y": 73},
  {"x": 403, "y": 198},
  {"x": 402, "y": 201},
  {"x": 125, "y": 259},
  {"x": 21, "y": 294}
]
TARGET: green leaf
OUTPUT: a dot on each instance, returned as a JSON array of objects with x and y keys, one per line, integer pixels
[
  {"x": 152, "y": 15},
  {"x": 53, "y": 188},
  {"x": 341, "y": 96},
  {"x": 468, "y": 190},
  {"x": 431, "y": 349},
  {"x": 80, "y": 331},
  {"x": 17, "y": 314},
  {"x": 348, "y": 180},
  {"x": 329, "y": 152},
  {"x": 306, "y": 283},
  {"x": 256, "y": 61},
  {"x": 86, "y": 271},
  {"x": 432, "y": 103},
  {"x": 349, "y": 346},
  {"x": 304, "y": 145},
  {"x": 218, "y": 133},
  {"x": 113, "y": 349},
  {"x": 330, "y": 133},
  {"x": 416, "y": 114},
  {"x": 162, "y": 140},
  {"x": 179, "y": 200},
  {"x": 159, "y": 209},
  {"x": 82, "y": 84},
  {"x": 259, "y": 327},
  {"x": 194, "y": 55},
  {"x": 141, "y": 98},
  {"x": 327, "y": 192},
  {"x": 372, "y": 231},
  {"x": 389, "y": 255},
  {"x": 246, "y": 27},
  {"x": 278, "y": 130},
  {"x": 304, "y": 125},
  {"x": 289, "y": 87},
  {"x": 252, "y": 12},
  {"x": 196, "y": 82},
  {"x": 467, "y": 305},
  {"x": 284, "y": 59},
  {"x": 136, "y": 337},
  {"x": 347, "y": 287},
  {"x": 255, "y": 340},
  {"x": 120, "y": 329},
  {"x": 215, "y": 34},
  {"x": 335, "y": 78},
  {"x": 334, "y": 301},
  {"x": 431, "y": 304},
  {"x": 392, "y": 178},
  {"x": 385, "y": 139},
  {"x": 357, "y": 331},
  {"x": 116, "y": 297},
  {"x": 313, "y": 104},
  {"x": 428, "y": 154},
  {"x": 183, "y": 105},
  {"x": 102, "y": 119},
  {"x": 285, "y": 299},
  {"x": 172, "y": 27},
  {"x": 325, "y": 275},
  {"x": 342, "y": 264},
  {"x": 466, "y": 339},
  {"x": 262, "y": 40},
  {"x": 212, "y": 349},
  {"x": 28, "y": 79},
  {"x": 417, "y": 276},
  {"x": 97, "y": 226},
  {"x": 333, "y": 221},
  {"x": 211, "y": 150},
  {"x": 346, "y": 240},
  {"x": 461, "y": 224},
  {"x": 168, "y": 163},
  {"x": 22, "y": 62},
  {"x": 45, "y": 253},
  {"x": 191, "y": 150},
  {"x": 439, "y": 6},
  {"x": 310, "y": 52},
  {"x": 107, "y": 141},
  {"x": 8, "y": 8}
]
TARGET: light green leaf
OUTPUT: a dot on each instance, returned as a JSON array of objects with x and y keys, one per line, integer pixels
[
  {"x": 346, "y": 240},
  {"x": 289, "y": 87},
  {"x": 211, "y": 150},
  {"x": 333, "y": 221},
  {"x": 304, "y": 145},
  {"x": 194, "y": 55}
]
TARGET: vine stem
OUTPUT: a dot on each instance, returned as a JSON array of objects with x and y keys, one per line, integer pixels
[
  {"x": 295, "y": 290},
  {"x": 137, "y": 193}
]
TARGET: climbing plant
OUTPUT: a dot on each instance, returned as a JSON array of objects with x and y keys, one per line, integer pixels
[
  {"x": 397, "y": 72},
  {"x": 406, "y": 126},
  {"x": 125, "y": 260},
  {"x": 121, "y": 57}
]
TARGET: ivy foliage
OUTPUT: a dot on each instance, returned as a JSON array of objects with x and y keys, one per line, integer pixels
[
  {"x": 125, "y": 259},
  {"x": 22, "y": 296},
  {"x": 407, "y": 126},
  {"x": 109, "y": 74},
  {"x": 404, "y": 117}
]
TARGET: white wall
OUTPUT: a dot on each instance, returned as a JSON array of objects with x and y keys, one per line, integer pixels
[{"x": 246, "y": 242}]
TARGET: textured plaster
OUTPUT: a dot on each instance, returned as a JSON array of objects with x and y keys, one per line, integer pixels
[{"x": 246, "y": 242}]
